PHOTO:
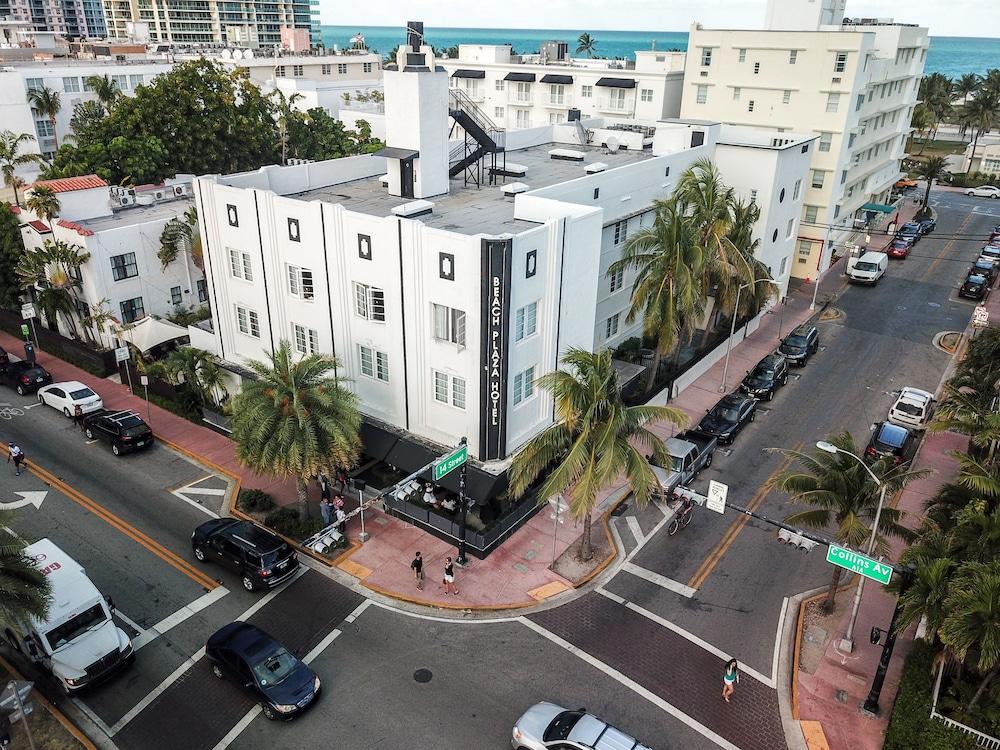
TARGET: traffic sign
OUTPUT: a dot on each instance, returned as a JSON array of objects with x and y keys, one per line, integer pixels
[
  {"x": 28, "y": 311},
  {"x": 121, "y": 354},
  {"x": 717, "y": 492},
  {"x": 858, "y": 563},
  {"x": 447, "y": 464},
  {"x": 24, "y": 329},
  {"x": 980, "y": 317}
]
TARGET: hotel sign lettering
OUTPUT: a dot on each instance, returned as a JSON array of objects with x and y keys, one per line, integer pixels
[{"x": 496, "y": 319}]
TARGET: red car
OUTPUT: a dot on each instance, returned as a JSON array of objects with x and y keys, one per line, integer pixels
[{"x": 898, "y": 249}]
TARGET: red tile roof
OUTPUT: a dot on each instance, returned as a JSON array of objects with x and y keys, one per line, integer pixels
[
  {"x": 69, "y": 184},
  {"x": 78, "y": 228},
  {"x": 39, "y": 227}
]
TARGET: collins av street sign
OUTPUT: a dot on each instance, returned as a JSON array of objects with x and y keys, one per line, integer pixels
[
  {"x": 447, "y": 464},
  {"x": 858, "y": 563}
]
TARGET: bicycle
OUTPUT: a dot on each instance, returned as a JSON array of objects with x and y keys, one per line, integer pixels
[
  {"x": 682, "y": 514},
  {"x": 9, "y": 412}
]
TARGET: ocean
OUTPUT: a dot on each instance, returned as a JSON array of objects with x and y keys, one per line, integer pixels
[{"x": 950, "y": 55}]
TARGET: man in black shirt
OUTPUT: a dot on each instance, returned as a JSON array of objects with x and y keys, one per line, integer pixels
[{"x": 418, "y": 570}]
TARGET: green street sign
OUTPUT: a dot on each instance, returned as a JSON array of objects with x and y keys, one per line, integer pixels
[
  {"x": 24, "y": 329},
  {"x": 858, "y": 563},
  {"x": 447, "y": 464}
]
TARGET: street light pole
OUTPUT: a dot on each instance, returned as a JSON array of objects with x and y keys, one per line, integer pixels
[
  {"x": 732, "y": 327},
  {"x": 871, "y": 702},
  {"x": 461, "y": 559}
]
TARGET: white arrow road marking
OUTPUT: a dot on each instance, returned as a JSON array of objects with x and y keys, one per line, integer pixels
[
  {"x": 32, "y": 406},
  {"x": 29, "y": 498}
]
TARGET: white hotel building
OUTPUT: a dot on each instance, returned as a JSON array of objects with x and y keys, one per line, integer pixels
[
  {"x": 852, "y": 82},
  {"x": 443, "y": 301}
]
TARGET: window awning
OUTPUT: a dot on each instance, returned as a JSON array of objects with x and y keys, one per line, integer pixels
[
  {"x": 376, "y": 443},
  {"x": 881, "y": 208},
  {"x": 463, "y": 73},
  {"x": 554, "y": 78},
  {"x": 403, "y": 154},
  {"x": 617, "y": 83},
  {"x": 525, "y": 77}
]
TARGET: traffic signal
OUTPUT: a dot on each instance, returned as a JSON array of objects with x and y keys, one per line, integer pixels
[{"x": 795, "y": 540}]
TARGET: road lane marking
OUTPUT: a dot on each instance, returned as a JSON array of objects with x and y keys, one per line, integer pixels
[
  {"x": 947, "y": 247},
  {"x": 716, "y": 555},
  {"x": 124, "y": 527},
  {"x": 98, "y": 721},
  {"x": 130, "y": 622},
  {"x": 635, "y": 528},
  {"x": 238, "y": 728},
  {"x": 777, "y": 640},
  {"x": 667, "y": 515},
  {"x": 662, "y": 581},
  {"x": 700, "y": 642},
  {"x": 176, "y": 618},
  {"x": 631, "y": 685}
]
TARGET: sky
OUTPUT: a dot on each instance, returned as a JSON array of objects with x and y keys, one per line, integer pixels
[{"x": 951, "y": 18}]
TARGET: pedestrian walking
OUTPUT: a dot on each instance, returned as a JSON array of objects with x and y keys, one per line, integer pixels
[
  {"x": 326, "y": 511},
  {"x": 78, "y": 416},
  {"x": 729, "y": 679},
  {"x": 340, "y": 515},
  {"x": 417, "y": 566},
  {"x": 449, "y": 577},
  {"x": 17, "y": 456},
  {"x": 325, "y": 490}
]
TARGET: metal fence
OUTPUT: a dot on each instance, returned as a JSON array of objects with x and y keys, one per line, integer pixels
[
  {"x": 97, "y": 361},
  {"x": 982, "y": 739}
]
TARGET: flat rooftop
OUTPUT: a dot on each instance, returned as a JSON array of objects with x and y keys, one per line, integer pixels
[
  {"x": 478, "y": 210},
  {"x": 130, "y": 215}
]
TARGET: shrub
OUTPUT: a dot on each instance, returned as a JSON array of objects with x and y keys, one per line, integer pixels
[
  {"x": 286, "y": 521},
  {"x": 628, "y": 350},
  {"x": 254, "y": 501},
  {"x": 911, "y": 725}
]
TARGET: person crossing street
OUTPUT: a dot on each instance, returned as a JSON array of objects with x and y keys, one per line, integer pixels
[{"x": 17, "y": 456}]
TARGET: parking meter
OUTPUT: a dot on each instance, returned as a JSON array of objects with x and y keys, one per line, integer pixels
[{"x": 29, "y": 351}]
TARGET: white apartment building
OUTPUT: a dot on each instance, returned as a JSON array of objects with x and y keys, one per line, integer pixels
[
  {"x": 983, "y": 156},
  {"x": 524, "y": 91},
  {"x": 444, "y": 302},
  {"x": 851, "y": 82},
  {"x": 121, "y": 231}
]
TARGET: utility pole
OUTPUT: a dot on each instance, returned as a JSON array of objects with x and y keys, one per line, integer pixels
[
  {"x": 461, "y": 559},
  {"x": 871, "y": 702}
]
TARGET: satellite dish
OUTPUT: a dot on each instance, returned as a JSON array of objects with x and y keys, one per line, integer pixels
[
  {"x": 613, "y": 144},
  {"x": 227, "y": 54},
  {"x": 248, "y": 54}
]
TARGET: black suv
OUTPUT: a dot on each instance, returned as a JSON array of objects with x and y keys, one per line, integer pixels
[
  {"x": 769, "y": 374},
  {"x": 800, "y": 344},
  {"x": 730, "y": 415},
  {"x": 257, "y": 662},
  {"x": 262, "y": 559},
  {"x": 24, "y": 377},
  {"x": 892, "y": 441},
  {"x": 125, "y": 430}
]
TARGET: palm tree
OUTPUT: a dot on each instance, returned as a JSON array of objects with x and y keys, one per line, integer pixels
[
  {"x": 966, "y": 85},
  {"x": 740, "y": 237},
  {"x": 97, "y": 319},
  {"x": 980, "y": 114},
  {"x": 295, "y": 419},
  {"x": 586, "y": 44},
  {"x": 668, "y": 290},
  {"x": 991, "y": 82},
  {"x": 969, "y": 407},
  {"x": 25, "y": 592},
  {"x": 11, "y": 158},
  {"x": 44, "y": 202},
  {"x": 921, "y": 121},
  {"x": 936, "y": 95},
  {"x": 55, "y": 268},
  {"x": 842, "y": 493},
  {"x": 595, "y": 439},
  {"x": 105, "y": 87},
  {"x": 285, "y": 113},
  {"x": 972, "y": 625},
  {"x": 931, "y": 169},
  {"x": 47, "y": 103}
]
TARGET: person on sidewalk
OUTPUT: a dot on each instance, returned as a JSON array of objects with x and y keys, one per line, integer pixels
[
  {"x": 449, "y": 577},
  {"x": 340, "y": 515},
  {"x": 325, "y": 490},
  {"x": 78, "y": 416},
  {"x": 17, "y": 456},
  {"x": 418, "y": 570},
  {"x": 326, "y": 511},
  {"x": 729, "y": 679}
]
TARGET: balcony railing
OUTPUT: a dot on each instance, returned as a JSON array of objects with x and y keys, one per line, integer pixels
[
  {"x": 554, "y": 101},
  {"x": 616, "y": 105},
  {"x": 520, "y": 98}
]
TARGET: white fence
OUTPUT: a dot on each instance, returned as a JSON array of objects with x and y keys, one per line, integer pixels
[{"x": 982, "y": 739}]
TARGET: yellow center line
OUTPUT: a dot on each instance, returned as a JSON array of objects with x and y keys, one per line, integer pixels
[
  {"x": 716, "y": 555},
  {"x": 945, "y": 250},
  {"x": 172, "y": 559}
]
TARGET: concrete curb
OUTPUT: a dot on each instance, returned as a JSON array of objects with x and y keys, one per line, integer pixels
[{"x": 787, "y": 672}]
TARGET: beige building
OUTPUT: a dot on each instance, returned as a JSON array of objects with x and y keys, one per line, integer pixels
[
  {"x": 985, "y": 158},
  {"x": 852, "y": 82}
]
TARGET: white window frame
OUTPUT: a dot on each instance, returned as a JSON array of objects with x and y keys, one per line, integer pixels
[
  {"x": 701, "y": 94},
  {"x": 240, "y": 266},
  {"x": 620, "y": 231},
  {"x": 449, "y": 390},
  {"x": 300, "y": 282},
  {"x": 811, "y": 214},
  {"x": 788, "y": 230},
  {"x": 825, "y": 142},
  {"x": 706, "y": 57},
  {"x": 523, "y": 386},
  {"x": 611, "y": 326},
  {"x": 832, "y": 101},
  {"x": 840, "y": 62},
  {"x": 71, "y": 84},
  {"x": 305, "y": 340},
  {"x": 498, "y": 84},
  {"x": 617, "y": 280},
  {"x": 645, "y": 95},
  {"x": 736, "y": 93},
  {"x": 586, "y": 91},
  {"x": 793, "y": 56},
  {"x": 374, "y": 364},
  {"x": 369, "y": 302},
  {"x": 742, "y": 54},
  {"x": 797, "y": 190},
  {"x": 247, "y": 321},
  {"x": 822, "y": 178},
  {"x": 786, "y": 96},
  {"x": 526, "y": 321},
  {"x": 342, "y": 69},
  {"x": 448, "y": 324}
]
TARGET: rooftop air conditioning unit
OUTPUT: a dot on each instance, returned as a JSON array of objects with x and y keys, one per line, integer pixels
[
  {"x": 126, "y": 200},
  {"x": 158, "y": 195},
  {"x": 180, "y": 189}
]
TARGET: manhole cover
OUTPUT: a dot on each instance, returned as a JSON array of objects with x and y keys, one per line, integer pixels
[
  {"x": 841, "y": 696},
  {"x": 422, "y": 675}
]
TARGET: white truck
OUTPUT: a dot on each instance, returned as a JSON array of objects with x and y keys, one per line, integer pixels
[
  {"x": 867, "y": 269},
  {"x": 78, "y": 642}
]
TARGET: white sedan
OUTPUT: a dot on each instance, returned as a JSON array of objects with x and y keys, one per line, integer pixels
[
  {"x": 984, "y": 191},
  {"x": 68, "y": 395}
]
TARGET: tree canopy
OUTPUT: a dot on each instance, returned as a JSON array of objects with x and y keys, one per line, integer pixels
[{"x": 11, "y": 250}]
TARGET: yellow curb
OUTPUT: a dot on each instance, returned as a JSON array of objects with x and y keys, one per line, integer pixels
[
  {"x": 549, "y": 589},
  {"x": 70, "y": 727},
  {"x": 814, "y": 735},
  {"x": 457, "y": 606},
  {"x": 358, "y": 571}
]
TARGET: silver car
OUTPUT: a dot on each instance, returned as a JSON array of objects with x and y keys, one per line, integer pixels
[{"x": 546, "y": 725}]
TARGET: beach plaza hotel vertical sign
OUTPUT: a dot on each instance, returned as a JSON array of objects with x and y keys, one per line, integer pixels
[{"x": 496, "y": 326}]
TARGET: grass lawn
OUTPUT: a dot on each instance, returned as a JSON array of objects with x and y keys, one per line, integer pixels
[
  {"x": 935, "y": 148},
  {"x": 46, "y": 730}
]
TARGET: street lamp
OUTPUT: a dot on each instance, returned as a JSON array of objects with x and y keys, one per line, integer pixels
[
  {"x": 732, "y": 327},
  {"x": 847, "y": 642},
  {"x": 822, "y": 250}
]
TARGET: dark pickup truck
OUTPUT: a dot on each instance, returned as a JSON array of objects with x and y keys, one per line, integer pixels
[
  {"x": 690, "y": 452},
  {"x": 124, "y": 430}
]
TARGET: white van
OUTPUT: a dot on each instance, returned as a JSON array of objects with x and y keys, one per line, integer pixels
[
  {"x": 78, "y": 642},
  {"x": 867, "y": 269}
]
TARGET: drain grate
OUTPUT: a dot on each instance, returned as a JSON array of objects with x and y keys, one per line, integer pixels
[{"x": 422, "y": 675}]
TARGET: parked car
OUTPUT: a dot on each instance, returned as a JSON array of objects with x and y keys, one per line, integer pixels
[
  {"x": 260, "y": 557},
  {"x": 766, "y": 377},
  {"x": 913, "y": 408},
  {"x": 24, "y": 377},
  {"x": 910, "y": 230},
  {"x": 898, "y": 248},
  {"x": 905, "y": 183},
  {"x": 985, "y": 267},
  {"x": 546, "y": 726},
  {"x": 799, "y": 345},
  {"x": 690, "y": 452},
  {"x": 868, "y": 269},
  {"x": 975, "y": 287},
  {"x": 4, "y": 357},
  {"x": 282, "y": 683},
  {"x": 728, "y": 417},
  {"x": 125, "y": 431},
  {"x": 992, "y": 252},
  {"x": 892, "y": 440},
  {"x": 995, "y": 234},
  {"x": 984, "y": 191},
  {"x": 66, "y": 396},
  {"x": 927, "y": 225}
]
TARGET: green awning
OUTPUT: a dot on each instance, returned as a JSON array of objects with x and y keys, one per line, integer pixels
[{"x": 882, "y": 208}]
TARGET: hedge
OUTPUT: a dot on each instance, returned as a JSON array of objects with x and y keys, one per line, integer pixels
[
  {"x": 911, "y": 725},
  {"x": 286, "y": 521},
  {"x": 255, "y": 501}
]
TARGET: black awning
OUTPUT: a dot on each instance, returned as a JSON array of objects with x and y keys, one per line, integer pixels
[
  {"x": 376, "y": 442},
  {"x": 480, "y": 486},
  {"x": 526, "y": 77},
  {"x": 553, "y": 78},
  {"x": 403, "y": 154},
  {"x": 617, "y": 83},
  {"x": 463, "y": 73},
  {"x": 409, "y": 455}
]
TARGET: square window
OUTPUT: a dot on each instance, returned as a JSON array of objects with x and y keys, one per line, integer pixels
[
  {"x": 279, "y": 71},
  {"x": 175, "y": 295},
  {"x": 449, "y": 324},
  {"x": 524, "y": 385},
  {"x": 646, "y": 95},
  {"x": 498, "y": 112},
  {"x": 530, "y": 263},
  {"x": 586, "y": 91},
  {"x": 446, "y": 266},
  {"x": 364, "y": 247},
  {"x": 611, "y": 326},
  {"x": 617, "y": 280},
  {"x": 132, "y": 310},
  {"x": 306, "y": 339},
  {"x": 805, "y": 249},
  {"x": 293, "y": 230},
  {"x": 812, "y": 213},
  {"x": 367, "y": 67},
  {"x": 326, "y": 69},
  {"x": 525, "y": 321},
  {"x": 71, "y": 85},
  {"x": 341, "y": 69},
  {"x": 232, "y": 215},
  {"x": 123, "y": 266}
]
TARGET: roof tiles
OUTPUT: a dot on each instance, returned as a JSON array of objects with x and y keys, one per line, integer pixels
[{"x": 69, "y": 184}]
